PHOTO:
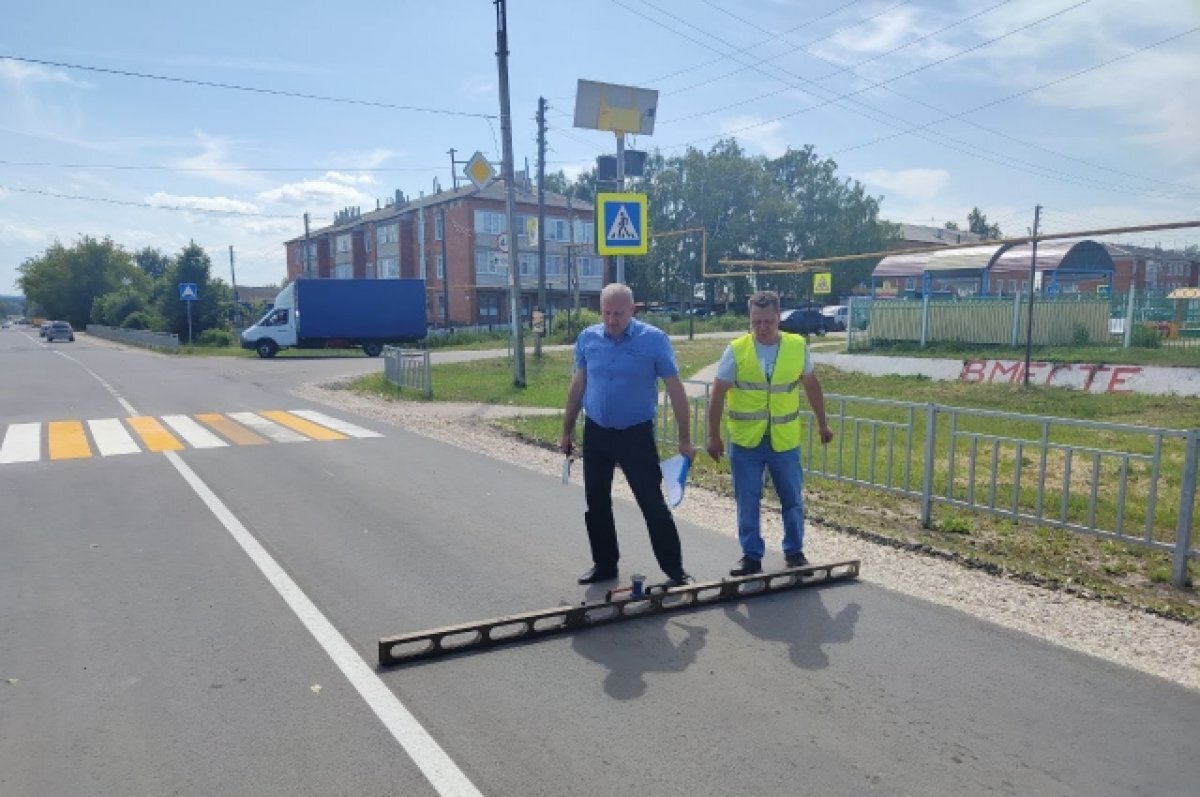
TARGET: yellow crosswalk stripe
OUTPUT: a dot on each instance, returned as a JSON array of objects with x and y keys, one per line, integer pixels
[
  {"x": 298, "y": 424},
  {"x": 154, "y": 435},
  {"x": 232, "y": 431},
  {"x": 68, "y": 440}
]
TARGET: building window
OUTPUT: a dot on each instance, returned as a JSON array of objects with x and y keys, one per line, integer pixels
[
  {"x": 489, "y": 307},
  {"x": 441, "y": 266},
  {"x": 437, "y": 227},
  {"x": 589, "y": 266},
  {"x": 488, "y": 222},
  {"x": 343, "y": 243},
  {"x": 387, "y": 268},
  {"x": 490, "y": 261},
  {"x": 585, "y": 231},
  {"x": 558, "y": 230},
  {"x": 528, "y": 265},
  {"x": 553, "y": 265},
  {"x": 367, "y": 236},
  {"x": 387, "y": 233},
  {"x": 441, "y": 302},
  {"x": 343, "y": 271}
]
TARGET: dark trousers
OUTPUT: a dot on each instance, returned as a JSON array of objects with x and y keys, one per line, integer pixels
[{"x": 635, "y": 452}]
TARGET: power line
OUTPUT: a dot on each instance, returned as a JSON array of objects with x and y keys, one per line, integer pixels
[
  {"x": 251, "y": 89},
  {"x": 970, "y": 149},
  {"x": 129, "y": 167},
  {"x": 155, "y": 167},
  {"x": 108, "y": 201}
]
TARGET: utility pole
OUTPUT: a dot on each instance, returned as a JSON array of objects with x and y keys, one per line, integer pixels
[
  {"x": 541, "y": 231},
  {"x": 237, "y": 312},
  {"x": 307, "y": 249},
  {"x": 620, "y": 189},
  {"x": 421, "y": 237},
  {"x": 510, "y": 199},
  {"x": 454, "y": 168},
  {"x": 1037, "y": 216},
  {"x": 445, "y": 269}
]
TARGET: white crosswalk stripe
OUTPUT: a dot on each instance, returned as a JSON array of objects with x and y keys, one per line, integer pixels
[
  {"x": 111, "y": 437},
  {"x": 193, "y": 433},
  {"x": 22, "y": 443},
  {"x": 270, "y": 429},
  {"x": 335, "y": 424}
]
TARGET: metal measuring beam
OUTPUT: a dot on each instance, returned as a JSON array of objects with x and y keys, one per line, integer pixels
[{"x": 435, "y": 642}]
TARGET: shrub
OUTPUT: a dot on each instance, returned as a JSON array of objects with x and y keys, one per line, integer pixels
[
  {"x": 217, "y": 338},
  {"x": 1079, "y": 335},
  {"x": 139, "y": 319},
  {"x": 1146, "y": 337}
]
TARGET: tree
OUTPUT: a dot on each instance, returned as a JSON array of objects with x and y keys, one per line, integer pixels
[
  {"x": 65, "y": 282},
  {"x": 977, "y": 223},
  {"x": 192, "y": 265},
  {"x": 952, "y": 225},
  {"x": 152, "y": 261},
  {"x": 557, "y": 182}
]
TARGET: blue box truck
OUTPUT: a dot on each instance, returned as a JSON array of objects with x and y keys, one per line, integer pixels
[{"x": 338, "y": 314}]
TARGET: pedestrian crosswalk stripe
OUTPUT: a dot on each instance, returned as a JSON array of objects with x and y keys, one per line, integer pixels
[
  {"x": 234, "y": 432},
  {"x": 111, "y": 438},
  {"x": 22, "y": 443},
  {"x": 193, "y": 433},
  {"x": 68, "y": 441},
  {"x": 268, "y": 428},
  {"x": 335, "y": 423},
  {"x": 303, "y": 426},
  {"x": 153, "y": 435}
]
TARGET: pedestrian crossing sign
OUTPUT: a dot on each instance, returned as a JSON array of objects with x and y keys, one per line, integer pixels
[{"x": 621, "y": 224}]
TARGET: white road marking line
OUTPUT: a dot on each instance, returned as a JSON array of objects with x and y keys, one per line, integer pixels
[
  {"x": 441, "y": 771},
  {"x": 437, "y": 767},
  {"x": 125, "y": 405},
  {"x": 111, "y": 437},
  {"x": 193, "y": 433},
  {"x": 22, "y": 443},
  {"x": 334, "y": 423},
  {"x": 279, "y": 434}
]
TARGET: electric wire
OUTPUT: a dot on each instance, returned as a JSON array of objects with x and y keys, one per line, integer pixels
[{"x": 250, "y": 89}]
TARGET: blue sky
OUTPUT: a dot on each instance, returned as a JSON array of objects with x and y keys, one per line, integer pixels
[{"x": 937, "y": 105}]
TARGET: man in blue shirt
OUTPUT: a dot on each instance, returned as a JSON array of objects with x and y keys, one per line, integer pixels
[{"x": 617, "y": 367}]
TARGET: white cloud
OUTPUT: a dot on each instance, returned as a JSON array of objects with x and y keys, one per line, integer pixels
[
  {"x": 755, "y": 134},
  {"x": 213, "y": 162},
  {"x": 19, "y": 74},
  {"x": 918, "y": 185},
  {"x": 477, "y": 86},
  {"x": 368, "y": 159},
  {"x": 321, "y": 195},
  {"x": 220, "y": 203},
  {"x": 349, "y": 179}
]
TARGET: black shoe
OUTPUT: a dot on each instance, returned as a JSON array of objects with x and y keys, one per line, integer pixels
[
  {"x": 747, "y": 566},
  {"x": 597, "y": 574},
  {"x": 796, "y": 559},
  {"x": 680, "y": 579}
]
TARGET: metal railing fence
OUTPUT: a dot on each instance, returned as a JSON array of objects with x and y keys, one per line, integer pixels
[
  {"x": 408, "y": 368},
  {"x": 1118, "y": 482},
  {"x": 137, "y": 337}
]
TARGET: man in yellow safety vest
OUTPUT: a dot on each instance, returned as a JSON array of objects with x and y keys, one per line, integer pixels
[{"x": 761, "y": 373}]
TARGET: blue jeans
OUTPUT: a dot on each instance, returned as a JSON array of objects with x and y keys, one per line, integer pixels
[{"x": 747, "y": 466}]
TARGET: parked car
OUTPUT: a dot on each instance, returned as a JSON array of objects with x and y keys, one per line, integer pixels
[
  {"x": 58, "y": 330},
  {"x": 839, "y": 315},
  {"x": 807, "y": 321}
]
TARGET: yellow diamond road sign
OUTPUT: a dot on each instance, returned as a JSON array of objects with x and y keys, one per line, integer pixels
[{"x": 479, "y": 171}]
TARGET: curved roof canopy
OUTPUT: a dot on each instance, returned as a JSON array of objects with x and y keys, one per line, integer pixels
[{"x": 1082, "y": 257}]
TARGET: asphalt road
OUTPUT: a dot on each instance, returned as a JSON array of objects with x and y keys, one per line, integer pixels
[{"x": 204, "y": 622}]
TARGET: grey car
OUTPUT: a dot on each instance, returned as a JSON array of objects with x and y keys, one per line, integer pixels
[{"x": 60, "y": 330}]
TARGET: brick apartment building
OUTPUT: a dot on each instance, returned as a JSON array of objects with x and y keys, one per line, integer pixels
[{"x": 465, "y": 270}]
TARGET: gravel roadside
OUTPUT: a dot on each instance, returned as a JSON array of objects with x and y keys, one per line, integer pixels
[{"x": 1141, "y": 641}]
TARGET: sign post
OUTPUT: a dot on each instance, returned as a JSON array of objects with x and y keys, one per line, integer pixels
[{"x": 188, "y": 294}]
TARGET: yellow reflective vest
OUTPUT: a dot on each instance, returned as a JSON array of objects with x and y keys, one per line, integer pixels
[{"x": 756, "y": 404}]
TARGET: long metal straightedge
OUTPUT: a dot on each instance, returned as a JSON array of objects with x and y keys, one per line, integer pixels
[{"x": 435, "y": 642}]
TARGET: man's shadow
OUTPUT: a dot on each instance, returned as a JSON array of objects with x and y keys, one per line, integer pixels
[
  {"x": 801, "y": 621},
  {"x": 633, "y": 648}
]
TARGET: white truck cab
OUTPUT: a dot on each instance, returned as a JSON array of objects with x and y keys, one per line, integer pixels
[{"x": 277, "y": 329}]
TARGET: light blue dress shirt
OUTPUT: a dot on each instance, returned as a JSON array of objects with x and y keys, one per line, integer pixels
[{"x": 623, "y": 373}]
